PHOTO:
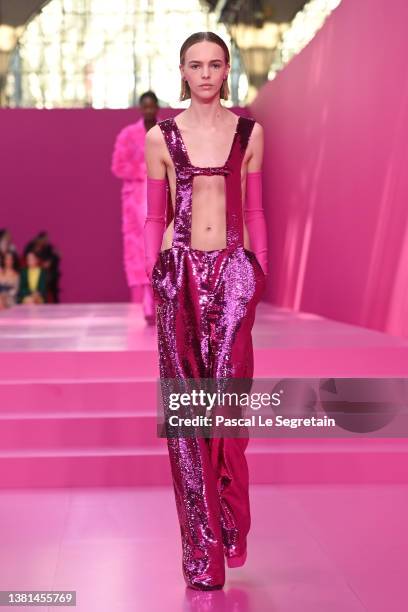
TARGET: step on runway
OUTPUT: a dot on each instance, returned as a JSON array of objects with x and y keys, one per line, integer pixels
[{"x": 78, "y": 397}]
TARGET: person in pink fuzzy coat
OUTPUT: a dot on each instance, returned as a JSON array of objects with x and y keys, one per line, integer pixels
[{"x": 128, "y": 164}]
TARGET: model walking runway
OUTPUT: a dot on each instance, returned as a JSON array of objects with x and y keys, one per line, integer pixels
[{"x": 206, "y": 310}]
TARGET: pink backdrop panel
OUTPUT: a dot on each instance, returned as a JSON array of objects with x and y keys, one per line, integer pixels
[
  {"x": 335, "y": 179},
  {"x": 55, "y": 175}
]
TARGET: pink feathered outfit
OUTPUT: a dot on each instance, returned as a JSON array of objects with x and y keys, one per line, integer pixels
[{"x": 128, "y": 163}]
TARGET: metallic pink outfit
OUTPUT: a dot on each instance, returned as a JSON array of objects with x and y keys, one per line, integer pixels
[{"x": 206, "y": 303}]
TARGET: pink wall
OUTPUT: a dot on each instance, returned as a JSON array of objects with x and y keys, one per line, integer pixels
[
  {"x": 55, "y": 175},
  {"x": 336, "y": 159}
]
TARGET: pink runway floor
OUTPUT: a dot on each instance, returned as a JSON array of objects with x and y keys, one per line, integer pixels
[
  {"x": 312, "y": 548},
  {"x": 86, "y": 502}
]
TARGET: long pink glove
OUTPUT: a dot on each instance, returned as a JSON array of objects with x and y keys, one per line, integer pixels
[
  {"x": 155, "y": 221},
  {"x": 255, "y": 219}
]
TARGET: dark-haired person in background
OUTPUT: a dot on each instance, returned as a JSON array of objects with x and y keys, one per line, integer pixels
[
  {"x": 33, "y": 286},
  {"x": 49, "y": 260},
  {"x": 128, "y": 163}
]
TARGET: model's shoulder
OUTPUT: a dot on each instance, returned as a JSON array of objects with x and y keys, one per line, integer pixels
[
  {"x": 257, "y": 130},
  {"x": 254, "y": 128},
  {"x": 154, "y": 136},
  {"x": 251, "y": 131},
  {"x": 253, "y": 123},
  {"x": 164, "y": 123}
]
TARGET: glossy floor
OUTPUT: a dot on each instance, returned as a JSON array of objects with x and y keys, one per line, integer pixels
[{"x": 314, "y": 548}]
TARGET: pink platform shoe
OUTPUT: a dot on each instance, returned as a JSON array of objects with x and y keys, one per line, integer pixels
[{"x": 204, "y": 587}]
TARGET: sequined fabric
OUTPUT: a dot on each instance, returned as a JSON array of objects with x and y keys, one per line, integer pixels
[{"x": 206, "y": 303}]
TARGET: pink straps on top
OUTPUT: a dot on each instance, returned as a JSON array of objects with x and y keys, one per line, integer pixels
[
  {"x": 155, "y": 221},
  {"x": 253, "y": 214},
  {"x": 255, "y": 219}
]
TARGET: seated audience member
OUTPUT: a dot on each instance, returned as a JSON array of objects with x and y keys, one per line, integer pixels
[
  {"x": 6, "y": 243},
  {"x": 33, "y": 288},
  {"x": 9, "y": 278},
  {"x": 49, "y": 260}
]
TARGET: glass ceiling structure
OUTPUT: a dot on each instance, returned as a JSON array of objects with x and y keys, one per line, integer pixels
[{"x": 104, "y": 54}]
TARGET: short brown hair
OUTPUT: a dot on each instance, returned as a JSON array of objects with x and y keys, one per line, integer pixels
[{"x": 185, "y": 91}]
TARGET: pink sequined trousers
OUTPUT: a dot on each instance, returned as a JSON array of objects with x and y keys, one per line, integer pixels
[{"x": 206, "y": 302}]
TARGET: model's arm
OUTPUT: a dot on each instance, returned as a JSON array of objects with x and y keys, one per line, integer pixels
[
  {"x": 156, "y": 198},
  {"x": 253, "y": 208}
]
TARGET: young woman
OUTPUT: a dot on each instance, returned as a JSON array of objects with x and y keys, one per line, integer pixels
[{"x": 208, "y": 273}]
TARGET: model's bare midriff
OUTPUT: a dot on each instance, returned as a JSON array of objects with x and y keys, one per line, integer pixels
[{"x": 208, "y": 222}]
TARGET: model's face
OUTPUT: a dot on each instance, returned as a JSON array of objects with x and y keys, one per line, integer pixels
[
  {"x": 204, "y": 69},
  {"x": 148, "y": 108},
  {"x": 8, "y": 261}
]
